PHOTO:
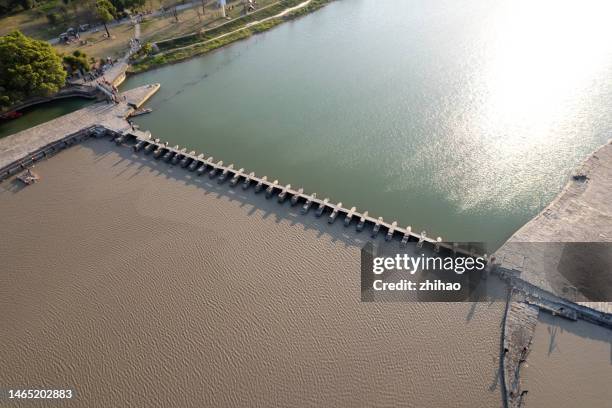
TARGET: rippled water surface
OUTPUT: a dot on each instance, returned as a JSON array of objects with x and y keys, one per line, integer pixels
[
  {"x": 570, "y": 365},
  {"x": 461, "y": 118}
]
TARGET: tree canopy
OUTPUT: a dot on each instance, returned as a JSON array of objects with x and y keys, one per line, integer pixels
[
  {"x": 7, "y": 6},
  {"x": 28, "y": 68},
  {"x": 106, "y": 12},
  {"x": 128, "y": 4},
  {"x": 77, "y": 61}
]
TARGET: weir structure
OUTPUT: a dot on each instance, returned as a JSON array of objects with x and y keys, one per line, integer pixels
[{"x": 525, "y": 297}]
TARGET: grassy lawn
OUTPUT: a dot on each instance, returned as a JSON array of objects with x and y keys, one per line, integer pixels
[
  {"x": 98, "y": 46},
  {"x": 152, "y": 29},
  {"x": 206, "y": 27},
  {"x": 33, "y": 23},
  {"x": 198, "y": 48},
  {"x": 189, "y": 22}
]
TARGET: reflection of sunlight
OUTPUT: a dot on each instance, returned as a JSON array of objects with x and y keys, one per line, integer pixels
[
  {"x": 541, "y": 54},
  {"x": 530, "y": 94}
]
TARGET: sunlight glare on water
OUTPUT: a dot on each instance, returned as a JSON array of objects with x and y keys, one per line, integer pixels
[{"x": 461, "y": 119}]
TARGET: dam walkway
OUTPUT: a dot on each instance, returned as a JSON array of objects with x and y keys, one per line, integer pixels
[{"x": 22, "y": 145}]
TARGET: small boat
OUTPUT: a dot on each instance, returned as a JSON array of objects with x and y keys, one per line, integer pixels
[
  {"x": 247, "y": 180},
  {"x": 259, "y": 185},
  {"x": 12, "y": 115},
  {"x": 296, "y": 197},
  {"x": 179, "y": 156},
  {"x": 236, "y": 178},
  {"x": 406, "y": 236},
  {"x": 215, "y": 170},
  {"x": 376, "y": 227},
  {"x": 225, "y": 173},
  {"x": 362, "y": 221},
  {"x": 308, "y": 203},
  {"x": 270, "y": 189},
  {"x": 391, "y": 231},
  {"x": 139, "y": 112},
  {"x": 283, "y": 194},
  {"x": 349, "y": 216},
  {"x": 194, "y": 164},
  {"x": 28, "y": 177},
  {"x": 334, "y": 214},
  {"x": 322, "y": 207}
]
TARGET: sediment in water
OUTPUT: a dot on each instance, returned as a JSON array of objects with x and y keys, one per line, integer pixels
[{"x": 138, "y": 283}]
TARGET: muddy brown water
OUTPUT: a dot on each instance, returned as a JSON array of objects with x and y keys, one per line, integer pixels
[{"x": 139, "y": 284}]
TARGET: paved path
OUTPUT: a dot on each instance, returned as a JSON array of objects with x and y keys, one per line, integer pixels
[
  {"x": 20, "y": 145},
  {"x": 582, "y": 212},
  {"x": 251, "y": 24},
  {"x": 520, "y": 322}
]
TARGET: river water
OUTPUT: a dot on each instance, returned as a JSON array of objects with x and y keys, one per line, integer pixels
[
  {"x": 169, "y": 290},
  {"x": 36, "y": 115},
  {"x": 570, "y": 365},
  {"x": 463, "y": 119}
]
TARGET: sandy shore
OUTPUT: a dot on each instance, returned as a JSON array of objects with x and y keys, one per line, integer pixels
[
  {"x": 139, "y": 284},
  {"x": 570, "y": 365}
]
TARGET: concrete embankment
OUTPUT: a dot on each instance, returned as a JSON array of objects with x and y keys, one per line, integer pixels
[
  {"x": 581, "y": 213},
  {"x": 23, "y": 145},
  {"x": 530, "y": 262}
]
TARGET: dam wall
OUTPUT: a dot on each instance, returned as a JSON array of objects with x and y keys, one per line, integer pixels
[
  {"x": 324, "y": 208},
  {"x": 109, "y": 120}
]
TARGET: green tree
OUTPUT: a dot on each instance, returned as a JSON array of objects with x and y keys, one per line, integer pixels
[
  {"x": 106, "y": 12},
  {"x": 54, "y": 18},
  {"x": 28, "y": 68},
  {"x": 74, "y": 4},
  {"x": 132, "y": 5},
  {"x": 77, "y": 62},
  {"x": 147, "y": 48}
]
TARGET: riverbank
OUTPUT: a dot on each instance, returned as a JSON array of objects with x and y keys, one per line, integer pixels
[
  {"x": 183, "y": 48},
  {"x": 581, "y": 213}
]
